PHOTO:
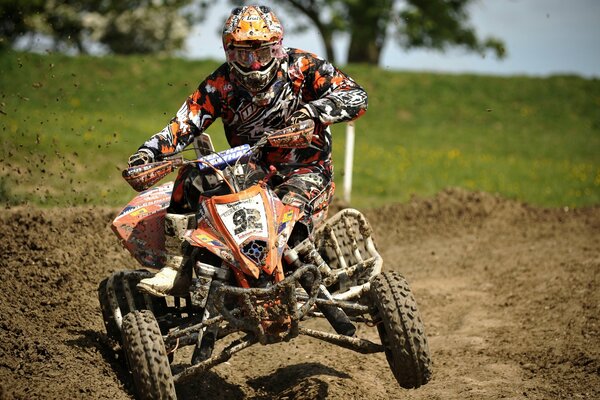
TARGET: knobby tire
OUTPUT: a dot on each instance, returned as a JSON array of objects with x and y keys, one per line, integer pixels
[
  {"x": 147, "y": 357},
  {"x": 401, "y": 330}
]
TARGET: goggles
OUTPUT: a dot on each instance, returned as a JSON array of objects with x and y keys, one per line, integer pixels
[{"x": 253, "y": 57}]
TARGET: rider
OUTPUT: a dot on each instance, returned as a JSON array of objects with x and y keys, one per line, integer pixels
[{"x": 263, "y": 86}]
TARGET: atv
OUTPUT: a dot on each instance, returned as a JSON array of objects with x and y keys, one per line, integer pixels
[{"x": 257, "y": 275}]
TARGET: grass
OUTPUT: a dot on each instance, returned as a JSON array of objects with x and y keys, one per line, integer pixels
[
  {"x": 531, "y": 139},
  {"x": 69, "y": 124}
]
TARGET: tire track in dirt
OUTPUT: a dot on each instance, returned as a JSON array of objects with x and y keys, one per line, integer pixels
[{"x": 509, "y": 294}]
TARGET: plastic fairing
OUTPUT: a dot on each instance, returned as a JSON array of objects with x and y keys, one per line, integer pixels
[
  {"x": 248, "y": 230},
  {"x": 140, "y": 225}
]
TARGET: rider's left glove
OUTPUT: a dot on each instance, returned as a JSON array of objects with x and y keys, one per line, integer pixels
[{"x": 141, "y": 157}]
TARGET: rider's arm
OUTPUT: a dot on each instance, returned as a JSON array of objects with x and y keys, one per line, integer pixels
[
  {"x": 194, "y": 117},
  {"x": 334, "y": 96}
]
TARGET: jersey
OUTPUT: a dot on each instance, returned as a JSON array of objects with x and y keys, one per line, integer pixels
[{"x": 303, "y": 80}]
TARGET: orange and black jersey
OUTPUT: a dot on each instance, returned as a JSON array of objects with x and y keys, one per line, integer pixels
[{"x": 303, "y": 80}]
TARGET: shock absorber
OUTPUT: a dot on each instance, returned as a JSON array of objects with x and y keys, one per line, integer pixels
[
  {"x": 206, "y": 274},
  {"x": 335, "y": 315}
]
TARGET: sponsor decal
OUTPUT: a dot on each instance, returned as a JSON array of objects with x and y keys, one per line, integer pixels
[
  {"x": 208, "y": 240},
  {"x": 223, "y": 158},
  {"x": 287, "y": 216},
  {"x": 203, "y": 238},
  {"x": 126, "y": 210},
  {"x": 139, "y": 212}
]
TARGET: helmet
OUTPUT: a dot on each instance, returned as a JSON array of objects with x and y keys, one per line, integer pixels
[{"x": 252, "y": 38}]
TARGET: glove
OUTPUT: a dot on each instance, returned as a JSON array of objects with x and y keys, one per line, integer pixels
[
  {"x": 300, "y": 115},
  {"x": 141, "y": 157}
]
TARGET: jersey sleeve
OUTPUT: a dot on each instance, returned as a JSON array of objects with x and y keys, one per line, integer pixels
[
  {"x": 195, "y": 115},
  {"x": 337, "y": 98}
]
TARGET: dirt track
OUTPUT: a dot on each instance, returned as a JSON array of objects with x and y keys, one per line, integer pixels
[{"x": 509, "y": 294}]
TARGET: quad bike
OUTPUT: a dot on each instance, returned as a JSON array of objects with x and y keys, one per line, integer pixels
[{"x": 255, "y": 279}]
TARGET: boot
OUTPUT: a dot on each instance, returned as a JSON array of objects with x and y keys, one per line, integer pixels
[
  {"x": 175, "y": 278},
  {"x": 172, "y": 280}
]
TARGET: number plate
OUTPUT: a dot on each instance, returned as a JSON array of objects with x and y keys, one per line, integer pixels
[{"x": 244, "y": 218}]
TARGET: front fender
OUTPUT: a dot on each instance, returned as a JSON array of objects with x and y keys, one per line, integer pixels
[
  {"x": 203, "y": 238},
  {"x": 140, "y": 225}
]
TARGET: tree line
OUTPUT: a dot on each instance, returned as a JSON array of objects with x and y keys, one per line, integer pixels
[{"x": 161, "y": 26}]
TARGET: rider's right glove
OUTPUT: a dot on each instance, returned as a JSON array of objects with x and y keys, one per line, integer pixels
[{"x": 141, "y": 157}]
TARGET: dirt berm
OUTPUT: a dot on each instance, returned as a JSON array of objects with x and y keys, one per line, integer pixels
[{"x": 509, "y": 294}]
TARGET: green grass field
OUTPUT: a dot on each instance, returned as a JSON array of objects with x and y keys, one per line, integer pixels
[{"x": 69, "y": 124}]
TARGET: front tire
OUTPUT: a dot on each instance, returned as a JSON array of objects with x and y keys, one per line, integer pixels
[
  {"x": 401, "y": 330},
  {"x": 118, "y": 296},
  {"x": 147, "y": 357}
]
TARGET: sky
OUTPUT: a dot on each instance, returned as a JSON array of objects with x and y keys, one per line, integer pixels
[{"x": 542, "y": 37}]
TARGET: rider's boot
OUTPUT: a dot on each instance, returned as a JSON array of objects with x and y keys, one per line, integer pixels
[
  {"x": 172, "y": 280},
  {"x": 175, "y": 278}
]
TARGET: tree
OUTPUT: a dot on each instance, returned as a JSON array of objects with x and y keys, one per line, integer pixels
[
  {"x": 326, "y": 15},
  {"x": 433, "y": 24},
  {"x": 122, "y": 26},
  {"x": 150, "y": 27},
  {"x": 12, "y": 19}
]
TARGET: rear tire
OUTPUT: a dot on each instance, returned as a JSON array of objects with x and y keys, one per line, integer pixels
[
  {"x": 147, "y": 357},
  {"x": 401, "y": 330}
]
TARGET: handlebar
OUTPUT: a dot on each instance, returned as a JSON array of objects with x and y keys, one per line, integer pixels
[{"x": 142, "y": 177}]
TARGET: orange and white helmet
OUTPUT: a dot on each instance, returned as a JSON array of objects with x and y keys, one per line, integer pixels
[{"x": 252, "y": 39}]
